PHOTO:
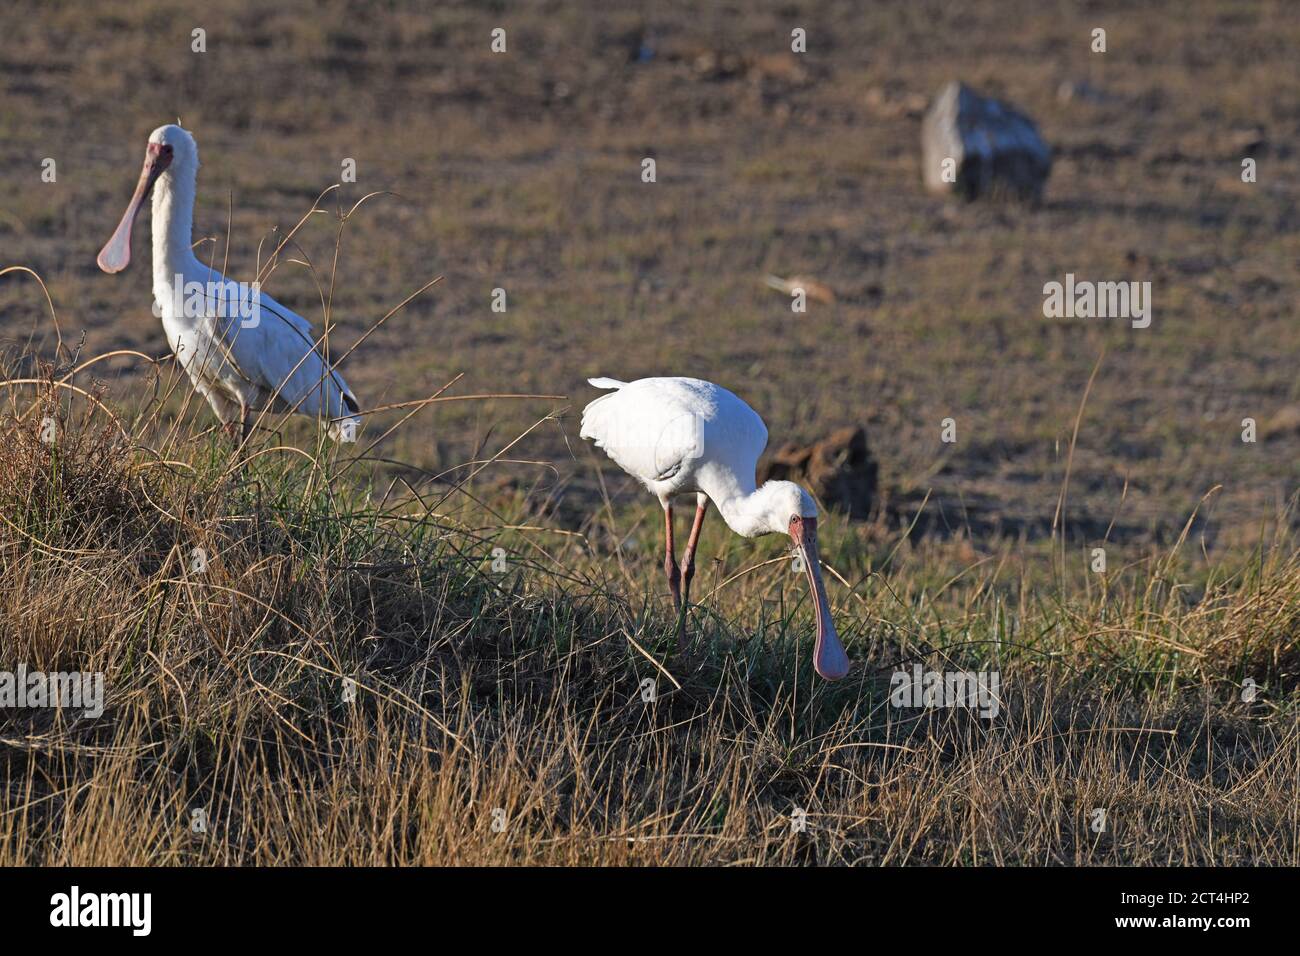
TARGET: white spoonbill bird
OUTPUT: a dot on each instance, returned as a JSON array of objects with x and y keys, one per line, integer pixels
[
  {"x": 242, "y": 350},
  {"x": 682, "y": 436}
]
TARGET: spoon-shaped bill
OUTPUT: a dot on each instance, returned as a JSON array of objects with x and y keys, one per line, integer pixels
[
  {"x": 116, "y": 254},
  {"x": 829, "y": 657}
]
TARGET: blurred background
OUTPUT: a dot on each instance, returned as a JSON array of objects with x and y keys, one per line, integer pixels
[{"x": 522, "y": 171}]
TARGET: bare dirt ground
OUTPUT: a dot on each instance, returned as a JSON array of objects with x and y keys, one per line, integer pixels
[{"x": 522, "y": 171}]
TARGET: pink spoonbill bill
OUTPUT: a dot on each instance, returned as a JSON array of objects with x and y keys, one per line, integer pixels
[
  {"x": 243, "y": 351},
  {"x": 683, "y": 436}
]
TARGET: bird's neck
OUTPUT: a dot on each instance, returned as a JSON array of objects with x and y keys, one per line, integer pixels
[
  {"x": 173, "y": 217},
  {"x": 742, "y": 506}
]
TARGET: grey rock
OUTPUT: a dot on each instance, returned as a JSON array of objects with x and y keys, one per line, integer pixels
[{"x": 995, "y": 148}]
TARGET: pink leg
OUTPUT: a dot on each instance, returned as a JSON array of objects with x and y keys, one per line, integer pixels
[
  {"x": 688, "y": 561},
  {"x": 670, "y": 559}
]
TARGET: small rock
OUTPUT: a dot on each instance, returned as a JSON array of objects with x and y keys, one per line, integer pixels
[
  {"x": 839, "y": 470},
  {"x": 782, "y": 68},
  {"x": 996, "y": 149},
  {"x": 1250, "y": 141},
  {"x": 1071, "y": 90},
  {"x": 817, "y": 291},
  {"x": 715, "y": 65},
  {"x": 1285, "y": 421},
  {"x": 888, "y": 105}
]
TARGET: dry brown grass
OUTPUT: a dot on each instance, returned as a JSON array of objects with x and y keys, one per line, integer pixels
[{"x": 521, "y": 693}]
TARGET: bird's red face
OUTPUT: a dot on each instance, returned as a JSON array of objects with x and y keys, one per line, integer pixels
[
  {"x": 829, "y": 658},
  {"x": 116, "y": 254}
]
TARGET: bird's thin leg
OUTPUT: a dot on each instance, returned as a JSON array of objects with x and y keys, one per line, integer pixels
[
  {"x": 670, "y": 559},
  {"x": 239, "y": 430},
  {"x": 688, "y": 564}
]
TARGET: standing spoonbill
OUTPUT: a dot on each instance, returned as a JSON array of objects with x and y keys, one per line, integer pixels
[
  {"x": 682, "y": 436},
  {"x": 242, "y": 350}
]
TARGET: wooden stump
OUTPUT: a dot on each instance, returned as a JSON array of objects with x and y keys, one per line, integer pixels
[{"x": 839, "y": 470}]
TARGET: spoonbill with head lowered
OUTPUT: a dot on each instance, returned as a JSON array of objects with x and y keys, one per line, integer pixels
[
  {"x": 242, "y": 350},
  {"x": 682, "y": 436}
]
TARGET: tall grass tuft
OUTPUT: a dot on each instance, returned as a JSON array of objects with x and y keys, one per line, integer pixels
[{"x": 301, "y": 670}]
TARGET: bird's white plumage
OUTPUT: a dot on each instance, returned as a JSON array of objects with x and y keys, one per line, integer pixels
[
  {"x": 257, "y": 356},
  {"x": 671, "y": 433},
  {"x": 271, "y": 364},
  {"x": 684, "y": 435}
]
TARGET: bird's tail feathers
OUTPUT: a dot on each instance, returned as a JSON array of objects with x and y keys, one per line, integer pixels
[{"x": 605, "y": 383}]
